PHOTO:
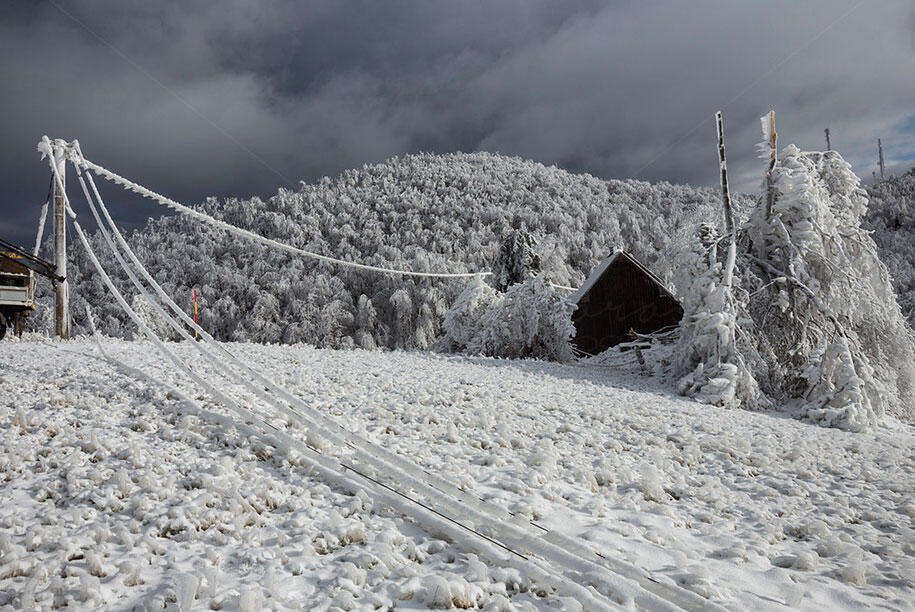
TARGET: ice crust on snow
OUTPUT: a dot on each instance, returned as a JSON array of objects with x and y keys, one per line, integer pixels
[{"x": 137, "y": 494}]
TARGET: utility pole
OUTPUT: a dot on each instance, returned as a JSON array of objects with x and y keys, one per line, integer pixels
[
  {"x": 772, "y": 136},
  {"x": 728, "y": 272},
  {"x": 62, "y": 303},
  {"x": 828, "y": 145},
  {"x": 723, "y": 167},
  {"x": 880, "y": 152}
]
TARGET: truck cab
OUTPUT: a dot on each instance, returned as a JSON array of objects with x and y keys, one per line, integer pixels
[{"x": 17, "y": 292}]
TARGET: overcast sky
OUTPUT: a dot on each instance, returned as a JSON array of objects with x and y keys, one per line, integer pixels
[{"x": 239, "y": 97}]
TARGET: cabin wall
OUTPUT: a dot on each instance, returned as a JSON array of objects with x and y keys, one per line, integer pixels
[{"x": 623, "y": 299}]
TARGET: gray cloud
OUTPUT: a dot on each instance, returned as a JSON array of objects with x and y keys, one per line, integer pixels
[{"x": 240, "y": 97}]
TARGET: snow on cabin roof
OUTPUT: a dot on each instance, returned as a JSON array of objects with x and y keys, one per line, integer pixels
[{"x": 602, "y": 268}]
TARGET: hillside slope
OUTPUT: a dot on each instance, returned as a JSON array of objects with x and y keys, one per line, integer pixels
[{"x": 419, "y": 212}]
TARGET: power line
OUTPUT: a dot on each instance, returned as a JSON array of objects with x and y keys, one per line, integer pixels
[{"x": 79, "y": 160}]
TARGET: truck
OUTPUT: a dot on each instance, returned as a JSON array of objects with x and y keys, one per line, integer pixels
[{"x": 17, "y": 285}]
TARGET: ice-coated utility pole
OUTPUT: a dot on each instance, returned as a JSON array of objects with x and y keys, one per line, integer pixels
[
  {"x": 772, "y": 135},
  {"x": 880, "y": 153},
  {"x": 62, "y": 303},
  {"x": 728, "y": 212},
  {"x": 723, "y": 165}
]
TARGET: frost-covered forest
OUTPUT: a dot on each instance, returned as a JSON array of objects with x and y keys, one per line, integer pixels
[
  {"x": 445, "y": 213},
  {"x": 891, "y": 217},
  {"x": 794, "y": 308}
]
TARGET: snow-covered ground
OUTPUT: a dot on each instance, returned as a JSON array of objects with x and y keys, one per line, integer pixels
[{"x": 123, "y": 492}]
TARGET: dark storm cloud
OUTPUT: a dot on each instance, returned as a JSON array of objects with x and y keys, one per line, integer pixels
[{"x": 239, "y": 97}]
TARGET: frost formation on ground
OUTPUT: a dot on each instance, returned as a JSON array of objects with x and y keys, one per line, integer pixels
[{"x": 142, "y": 502}]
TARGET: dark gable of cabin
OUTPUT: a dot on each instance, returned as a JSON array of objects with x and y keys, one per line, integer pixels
[{"x": 624, "y": 298}]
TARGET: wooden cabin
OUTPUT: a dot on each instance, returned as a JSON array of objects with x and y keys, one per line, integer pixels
[{"x": 620, "y": 297}]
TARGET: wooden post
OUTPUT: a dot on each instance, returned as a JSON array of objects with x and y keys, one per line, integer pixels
[
  {"x": 722, "y": 162},
  {"x": 728, "y": 275},
  {"x": 62, "y": 303},
  {"x": 828, "y": 145},
  {"x": 773, "y": 158},
  {"x": 880, "y": 152}
]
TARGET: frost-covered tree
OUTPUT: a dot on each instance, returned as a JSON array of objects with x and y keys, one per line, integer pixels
[
  {"x": 424, "y": 332},
  {"x": 463, "y": 321},
  {"x": 402, "y": 327},
  {"x": 530, "y": 320},
  {"x": 516, "y": 261},
  {"x": 891, "y": 219},
  {"x": 824, "y": 316},
  {"x": 365, "y": 323},
  {"x": 150, "y": 318},
  {"x": 709, "y": 359},
  {"x": 812, "y": 319}
]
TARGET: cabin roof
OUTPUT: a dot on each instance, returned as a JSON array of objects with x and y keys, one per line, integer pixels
[{"x": 605, "y": 265}]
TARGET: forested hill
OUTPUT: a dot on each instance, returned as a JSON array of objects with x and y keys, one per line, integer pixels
[
  {"x": 420, "y": 212},
  {"x": 891, "y": 216}
]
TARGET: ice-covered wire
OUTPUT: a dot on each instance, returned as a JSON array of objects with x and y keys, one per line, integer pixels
[
  {"x": 314, "y": 418},
  {"x": 374, "y": 456},
  {"x": 209, "y": 357},
  {"x": 433, "y": 498},
  {"x": 152, "y": 195},
  {"x": 95, "y": 334},
  {"x": 335, "y": 433},
  {"x": 563, "y": 287},
  {"x": 49, "y": 149},
  {"x": 44, "y": 216},
  {"x": 324, "y": 423},
  {"x": 555, "y": 547},
  {"x": 250, "y": 374},
  {"x": 222, "y": 397}
]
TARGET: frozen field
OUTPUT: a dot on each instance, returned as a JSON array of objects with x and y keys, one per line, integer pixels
[{"x": 122, "y": 492}]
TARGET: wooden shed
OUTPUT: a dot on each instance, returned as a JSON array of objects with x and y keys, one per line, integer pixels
[{"x": 621, "y": 296}]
